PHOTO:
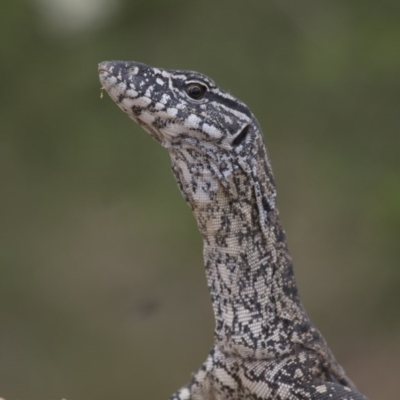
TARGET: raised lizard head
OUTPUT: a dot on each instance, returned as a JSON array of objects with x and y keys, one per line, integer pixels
[{"x": 213, "y": 139}]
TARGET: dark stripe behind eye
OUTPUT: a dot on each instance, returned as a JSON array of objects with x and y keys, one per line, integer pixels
[{"x": 230, "y": 103}]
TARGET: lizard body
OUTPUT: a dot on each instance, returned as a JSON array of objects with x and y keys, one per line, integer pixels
[{"x": 266, "y": 347}]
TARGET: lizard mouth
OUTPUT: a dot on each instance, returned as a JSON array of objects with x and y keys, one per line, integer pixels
[
  {"x": 118, "y": 87},
  {"x": 105, "y": 71}
]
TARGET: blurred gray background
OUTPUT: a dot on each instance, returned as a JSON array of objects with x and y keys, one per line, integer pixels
[{"x": 102, "y": 287}]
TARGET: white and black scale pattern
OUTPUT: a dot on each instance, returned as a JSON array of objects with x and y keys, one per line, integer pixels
[{"x": 265, "y": 345}]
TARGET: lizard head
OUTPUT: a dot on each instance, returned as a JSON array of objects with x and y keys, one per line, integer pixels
[
  {"x": 210, "y": 135},
  {"x": 178, "y": 108}
]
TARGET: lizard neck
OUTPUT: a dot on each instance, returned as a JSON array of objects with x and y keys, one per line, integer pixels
[
  {"x": 251, "y": 283},
  {"x": 249, "y": 271}
]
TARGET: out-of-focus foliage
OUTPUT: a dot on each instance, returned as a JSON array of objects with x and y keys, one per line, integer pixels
[{"x": 102, "y": 288}]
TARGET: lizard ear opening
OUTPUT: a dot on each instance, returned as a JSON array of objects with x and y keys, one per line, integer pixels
[{"x": 241, "y": 136}]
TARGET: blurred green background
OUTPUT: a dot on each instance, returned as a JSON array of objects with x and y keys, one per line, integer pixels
[{"x": 102, "y": 287}]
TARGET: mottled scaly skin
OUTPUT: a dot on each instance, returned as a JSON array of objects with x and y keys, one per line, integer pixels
[{"x": 265, "y": 345}]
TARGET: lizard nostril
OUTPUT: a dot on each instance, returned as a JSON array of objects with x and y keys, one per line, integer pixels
[{"x": 133, "y": 70}]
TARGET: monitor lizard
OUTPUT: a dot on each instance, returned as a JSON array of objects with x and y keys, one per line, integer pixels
[{"x": 265, "y": 345}]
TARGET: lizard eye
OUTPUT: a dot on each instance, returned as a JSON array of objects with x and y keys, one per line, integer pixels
[{"x": 196, "y": 90}]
